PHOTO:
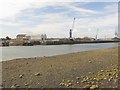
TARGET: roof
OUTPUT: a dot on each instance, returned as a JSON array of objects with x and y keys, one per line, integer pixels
[{"x": 21, "y": 35}]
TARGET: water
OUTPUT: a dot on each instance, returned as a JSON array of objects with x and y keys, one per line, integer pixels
[{"x": 13, "y": 52}]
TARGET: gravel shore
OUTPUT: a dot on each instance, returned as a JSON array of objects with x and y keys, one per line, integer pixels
[{"x": 89, "y": 69}]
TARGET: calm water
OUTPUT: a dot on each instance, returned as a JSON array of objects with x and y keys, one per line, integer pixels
[{"x": 13, "y": 52}]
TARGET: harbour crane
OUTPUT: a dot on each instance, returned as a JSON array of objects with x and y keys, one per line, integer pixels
[{"x": 71, "y": 38}]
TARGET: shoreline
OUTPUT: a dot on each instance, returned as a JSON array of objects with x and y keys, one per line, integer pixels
[{"x": 61, "y": 70}]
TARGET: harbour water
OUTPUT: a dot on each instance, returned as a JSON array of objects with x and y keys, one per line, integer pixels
[{"x": 14, "y": 52}]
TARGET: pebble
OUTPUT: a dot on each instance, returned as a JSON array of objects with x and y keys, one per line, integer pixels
[
  {"x": 77, "y": 78},
  {"x": 68, "y": 81},
  {"x": 111, "y": 77},
  {"x": 77, "y": 82},
  {"x": 87, "y": 86},
  {"x": 87, "y": 78},
  {"x": 37, "y": 74},
  {"x": 98, "y": 79},
  {"x": 90, "y": 61},
  {"x": 13, "y": 86},
  {"x": 17, "y": 85},
  {"x": 92, "y": 82},
  {"x": 84, "y": 81},
  {"x": 67, "y": 85},
  {"x": 116, "y": 76},
  {"x": 21, "y": 76},
  {"x": 70, "y": 84},
  {"x": 105, "y": 78},
  {"x": 62, "y": 84},
  {"x": 26, "y": 84},
  {"x": 109, "y": 80},
  {"x": 94, "y": 87}
]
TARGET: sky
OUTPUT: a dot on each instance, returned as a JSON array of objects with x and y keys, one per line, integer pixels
[{"x": 55, "y": 18}]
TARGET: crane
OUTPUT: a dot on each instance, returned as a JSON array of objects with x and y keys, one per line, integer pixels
[{"x": 72, "y": 29}]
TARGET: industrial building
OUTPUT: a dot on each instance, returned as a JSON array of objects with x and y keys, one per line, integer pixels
[
  {"x": 21, "y": 36},
  {"x": 31, "y": 37}
]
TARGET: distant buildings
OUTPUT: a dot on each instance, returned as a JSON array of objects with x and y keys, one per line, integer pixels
[
  {"x": 35, "y": 37},
  {"x": 21, "y": 36},
  {"x": 32, "y": 37},
  {"x": 42, "y": 37}
]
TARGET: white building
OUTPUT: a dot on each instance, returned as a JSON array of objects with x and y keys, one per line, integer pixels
[
  {"x": 20, "y": 36},
  {"x": 23, "y": 37},
  {"x": 35, "y": 37},
  {"x": 42, "y": 37}
]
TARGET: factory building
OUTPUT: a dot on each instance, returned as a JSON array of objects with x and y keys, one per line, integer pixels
[
  {"x": 42, "y": 37},
  {"x": 35, "y": 37},
  {"x": 32, "y": 37},
  {"x": 20, "y": 36}
]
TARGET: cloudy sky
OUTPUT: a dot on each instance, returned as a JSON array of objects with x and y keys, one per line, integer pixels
[{"x": 55, "y": 18}]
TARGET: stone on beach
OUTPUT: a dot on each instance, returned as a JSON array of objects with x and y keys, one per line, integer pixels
[
  {"x": 17, "y": 85},
  {"x": 70, "y": 84},
  {"x": 26, "y": 84},
  {"x": 37, "y": 74},
  {"x": 21, "y": 75},
  {"x": 87, "y": 86},
  {"x": 94, "y": 87},
  {"x": 90, "y": 61},
  {"x": 13, "y": 86},
  {"x": 77, "y": 82},
  {"x": 62, "y": 84},
  {"x": 77, "y": 78},
  {"x": 68, "y": 81}
]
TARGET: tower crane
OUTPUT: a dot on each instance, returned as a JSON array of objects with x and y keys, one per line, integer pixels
[{"x": 72, "y": 30}]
